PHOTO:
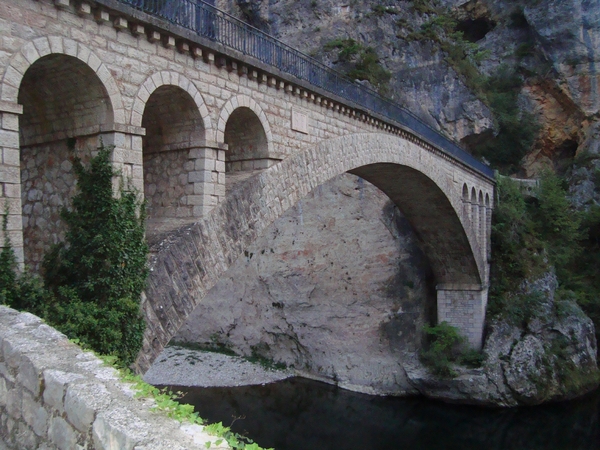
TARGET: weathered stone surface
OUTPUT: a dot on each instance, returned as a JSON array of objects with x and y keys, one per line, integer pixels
[
  {"x": 55, "y": 384},
  {"x": 77, "y": 391},
  {"x": 322, "y": 284},
  {"x": 552, "y": 357},
  {"x": 83, "y": 402}
]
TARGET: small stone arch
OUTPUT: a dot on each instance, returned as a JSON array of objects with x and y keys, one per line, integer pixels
[
  {"x": 67, "y": 112},
  {"x": 465, "y": 193},
  {"x": 163, "y": 78},
  {"x": 48, "y": 45},
  {"x": 242, "y": 108}
]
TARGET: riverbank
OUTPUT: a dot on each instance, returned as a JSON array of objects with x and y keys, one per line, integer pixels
[{"x": 178, "y": 366}]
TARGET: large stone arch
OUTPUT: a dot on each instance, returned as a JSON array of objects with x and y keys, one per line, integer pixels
[
  {"x": 193, "y": 259},
  {"x": 48, "y": 45}
]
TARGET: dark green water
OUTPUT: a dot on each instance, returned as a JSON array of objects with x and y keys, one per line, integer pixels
[{"x": 299, "y": 414}]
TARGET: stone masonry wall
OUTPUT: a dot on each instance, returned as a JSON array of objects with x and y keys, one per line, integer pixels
[
  {"x": 166, "y": 184},
  {"x": 53, "y": 395},
  {"x": 48, "y": 184}
]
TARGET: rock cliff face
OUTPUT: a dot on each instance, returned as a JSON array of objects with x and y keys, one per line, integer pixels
[
  {"x": 549, "y": 356},
  {"x": 337, "y": 287}
]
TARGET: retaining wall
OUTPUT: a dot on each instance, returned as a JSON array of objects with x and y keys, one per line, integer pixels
[{"x": 53, "y": 395}]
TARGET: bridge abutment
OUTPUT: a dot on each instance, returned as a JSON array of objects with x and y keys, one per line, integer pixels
[{"x": 463, "y": 306}]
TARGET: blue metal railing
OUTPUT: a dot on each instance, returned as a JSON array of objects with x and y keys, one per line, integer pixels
[{"x": 218, "y": 26}]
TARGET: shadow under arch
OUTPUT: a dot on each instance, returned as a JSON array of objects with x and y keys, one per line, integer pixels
[
  {"x": 434, "y": 219},
  {"x": 174, "y": 134},
  {"x": 189, "y": 262},
  {"x": 67, "y": 112}
]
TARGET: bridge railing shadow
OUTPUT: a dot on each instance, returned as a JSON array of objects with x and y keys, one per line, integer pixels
[{"x": 216, "y": 25}]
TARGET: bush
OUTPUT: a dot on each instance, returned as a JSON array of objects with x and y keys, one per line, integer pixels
[
  {"x": 516, "y": 129},
  {"x": 93, "y": 280},
  {"x": 98, "y": 274},
  {"x": 363, "y": 62},
  {"x": 446, "y": 346},
  {"x": 20, "y": 291}
]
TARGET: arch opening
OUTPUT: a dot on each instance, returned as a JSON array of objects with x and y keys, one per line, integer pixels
[
  {"x": 174, "y": 138},
  {"x": 247, "y": 142},
  {"x": 66, "y": 110},
  {"x": 342, "y": 251},
  {"x": 433, "y": 218}
]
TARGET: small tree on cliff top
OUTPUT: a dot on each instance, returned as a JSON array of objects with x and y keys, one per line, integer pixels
[{"x": 98, "y": 274}]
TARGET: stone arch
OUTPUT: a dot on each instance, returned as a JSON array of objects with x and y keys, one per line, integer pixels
[
  {"x": 474, "y": 211},
  {"x": 172, "y": 151},
  {"x": 408, "y": 174},
  {"x": 67, "y": 112},
  {"x": 170, "y": 78},
  {"x": 41, "y": 47},
  {"x": 244, "y": 127}
]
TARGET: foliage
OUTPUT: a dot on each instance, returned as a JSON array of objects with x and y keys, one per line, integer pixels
[
  {"x": 93, "y": 281},
  {"x": 363, "y": 62},
  {"x": 462, "y": 55},
  {"x": 446, "y": 346},
  {"x": 422, "y": 6},
  {"x": 379, "y": 10},
  {"x": 19, "y": 290},
  {"x": 97, "y": 275},
  {"x": 8, "y": 264},
  {"x": 516, "y": 128},
  {"x": 531, "y": 237}
]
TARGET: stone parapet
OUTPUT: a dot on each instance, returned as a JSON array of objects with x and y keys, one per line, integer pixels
[{"x": 54, "y": 395}]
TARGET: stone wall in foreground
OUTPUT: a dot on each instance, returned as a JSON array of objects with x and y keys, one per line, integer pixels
[{"x": 53, "y": 395}]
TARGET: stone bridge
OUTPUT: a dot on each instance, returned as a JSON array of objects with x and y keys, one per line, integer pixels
[{"x": 189, "y": 111}]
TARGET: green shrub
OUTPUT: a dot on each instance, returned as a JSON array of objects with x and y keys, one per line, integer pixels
[
  {"x": 446, "y": 346},
  {"x": 98, "y": 274},
  {"x": 21, "y": 291},
  {"x": 517, "y": 129},
  {"x": 363, "y": 62},
  {"x": 93, "y": 280}
]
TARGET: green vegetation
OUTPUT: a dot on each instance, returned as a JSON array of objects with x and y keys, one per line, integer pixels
[
  {"x": 446, "y": 347},
  {"x": 462, "y": 55},
  {"x": 167, "y": 402},
  {"x": 363, "y": 62},
  {"x": 531, "y": 237},
  {"x": 93, "y": 281},
  {"x": 516, "y": 129}
]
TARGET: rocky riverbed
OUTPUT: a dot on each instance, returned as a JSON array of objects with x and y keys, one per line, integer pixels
[{"x": 178, "y": 366}]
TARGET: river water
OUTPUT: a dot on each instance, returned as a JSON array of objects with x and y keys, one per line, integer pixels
[{"x": 300, "y": 414}]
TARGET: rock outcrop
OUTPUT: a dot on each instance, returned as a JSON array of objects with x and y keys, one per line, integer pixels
[
  {"x": 548, "y": 354},
  {"x": 337, "y": 288}
]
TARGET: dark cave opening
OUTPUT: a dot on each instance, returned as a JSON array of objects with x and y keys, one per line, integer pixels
[{"x": 475, "y": 29}]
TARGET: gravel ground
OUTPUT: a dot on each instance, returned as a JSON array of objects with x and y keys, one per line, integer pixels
[{"x": 178, "y": 366}]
